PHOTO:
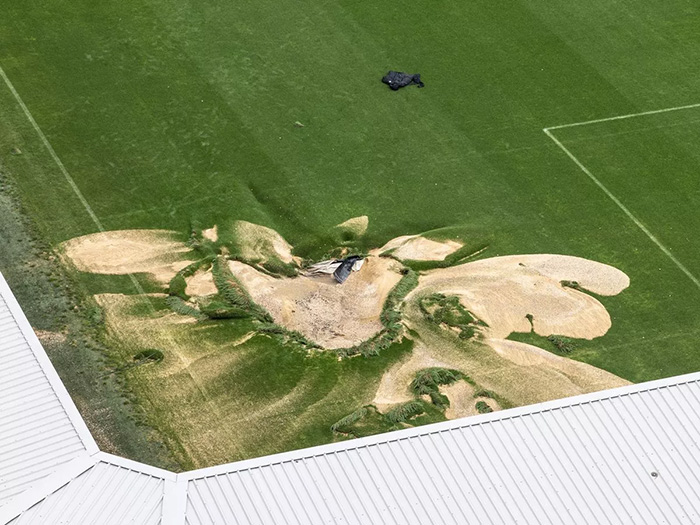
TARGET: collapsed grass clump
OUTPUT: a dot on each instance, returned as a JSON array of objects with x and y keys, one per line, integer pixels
[
  {"x": 447, "y": 310},
  {"x": 563, "y": 344},
  {"x": 234, "y": 293},
  {"x": 427, "y": 383},
  {"x": 150, "y": 354},
  {"x": 344, "y": 424},
  {"x": 460, "y": 256},
  {"x": 482, "y": 407},
  {"x": 571, "y": 284},
  {"x": 179, "y": 306},
  {"x": 284, "y": 335},
  {"x": 404, "y": 412}
]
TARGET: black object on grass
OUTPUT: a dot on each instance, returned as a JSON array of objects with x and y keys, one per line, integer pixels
[{"x": 397, "y": 79}]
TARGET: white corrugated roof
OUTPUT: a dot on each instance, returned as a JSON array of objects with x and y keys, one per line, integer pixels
[
  {"x": 107, "y": 492},
  {"x": 628, "y": 455},
  {"x": 40, "y": 428}
]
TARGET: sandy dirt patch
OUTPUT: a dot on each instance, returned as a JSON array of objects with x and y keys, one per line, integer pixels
[
  {"x": 48, "y": 338},
  {"x": 211, "y": 234},
  {"x": 502, "y": 291},
  {"x": 357, "y": 225},
  {"x": 583, "y": 375},
  {"x": 333, "y": 315},
  {"x": 258, "y": 243},
  {"x": 417, "y": 248},
  {"x": 461, "y": 396},
  {"x": 517, "y": 379},
  {"x": 593, "y": 276},
  {"x": 201, "y": 284},
  {"x": 463, "y": 401},
  {"x": 395, "y": 386},
  {"x": 124, "y": 252}
]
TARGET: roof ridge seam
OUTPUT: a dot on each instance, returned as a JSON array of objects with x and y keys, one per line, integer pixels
[{"x": 47, "y": 486}]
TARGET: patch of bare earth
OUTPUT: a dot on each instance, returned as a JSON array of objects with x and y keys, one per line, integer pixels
[
  {"x": 462, "y": 400},
  {"x": 201, "y": 284},
  {"x": 357, "y": 225},
  {"x": 333, "y": 315},
  {"x": 584, "y": 376},
  {"x": 122, "y": 252},
  {"x": 417, "y": 248},
  {"x": 48, "y": 338},
  {"x": 211, "y": 234},
  {"x": 258, "y": 243},
  {"x": 394, "y": 387},
  {"x": 502, "y": 291},
  {"x": 461, "y": 396}
]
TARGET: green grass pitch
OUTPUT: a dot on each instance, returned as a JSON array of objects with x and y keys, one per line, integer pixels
[{"x": 168, "y": 112}]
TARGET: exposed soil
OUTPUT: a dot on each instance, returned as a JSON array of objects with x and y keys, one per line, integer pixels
[
  {"x": 528, "y": 376},
  {"x": 201, "y": 284},
  {"x": 417, "y": 248},
  {"x": 48, "y": 338},
  {"x": 333, "y": 315},
  {"x": 502, "y": 291},
  {"x": 462, "y": 402},
  {"x": 211, "y": 234},
  {"x": 124, "y": 252},
  {"x": 394, "y": 387},
  {"x": 357, "y": 225},
  {"x": 258, "y": 243},
  {"x": 582, "y": 375}
]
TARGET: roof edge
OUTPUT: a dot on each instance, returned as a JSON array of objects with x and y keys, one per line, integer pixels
[
  {"x": 396, "y": 435},
  {"x": 47, "y": 486},
  {"x": 47, "y": 367},
  {"x": 136, "y": 466}
]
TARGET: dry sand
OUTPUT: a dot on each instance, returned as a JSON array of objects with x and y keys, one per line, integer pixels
[
  {"x": 502, "y": 291},
  {"x": 417, "y": 248},
  {"x": 395, "y": 385},
  {"x": 124, "y": 252},
  {"x": 585, "y": 376},
  {"x": 357, "y": 225},
  {"x": 258, "y": 243},
  {"x": 462, "y": 400},
  {"x": 333, "y": 315},
  {"x": 211, "y": 234},
  {"x": 201, "y": 284},
  {"x": 48, "y": 338}
]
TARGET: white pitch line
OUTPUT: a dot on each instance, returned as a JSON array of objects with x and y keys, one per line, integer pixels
[
  {"x": 60, "y": 165},
  {"x": 51, "y": 151},
  {"x": 88, "y": 208},
  {"x": 623, "y": 117},
  {"x": 623, "y": 207}
]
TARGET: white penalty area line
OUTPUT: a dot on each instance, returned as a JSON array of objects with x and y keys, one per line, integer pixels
[
  {"x": 624, "y": 117},
  {"x": 60, "y": 165},
  {"x": 611, "y": 196}
]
